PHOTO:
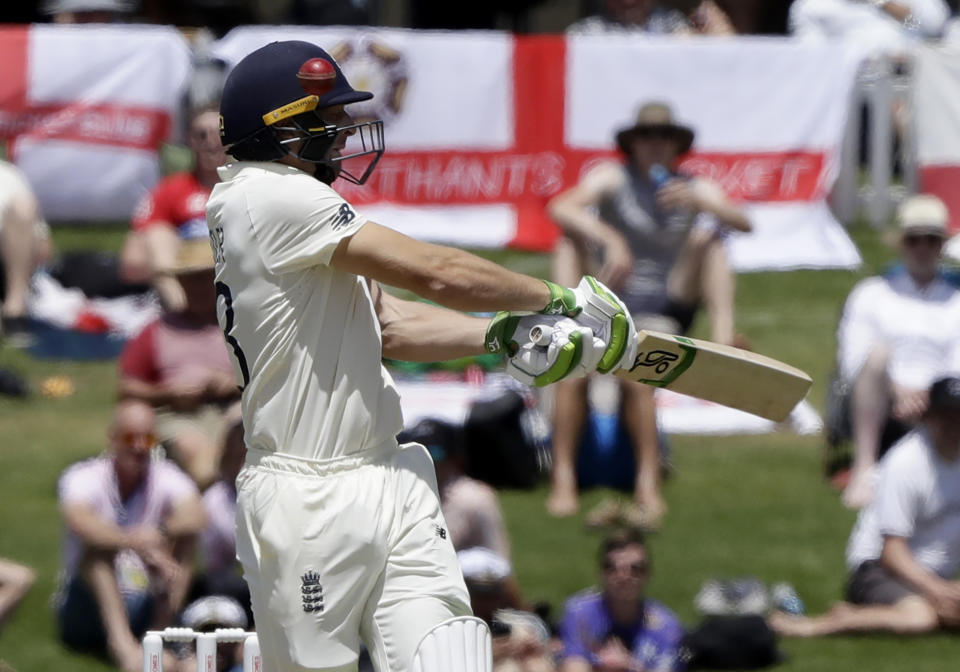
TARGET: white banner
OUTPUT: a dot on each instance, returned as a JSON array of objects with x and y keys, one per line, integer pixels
[{"x": 936, "y": 117}]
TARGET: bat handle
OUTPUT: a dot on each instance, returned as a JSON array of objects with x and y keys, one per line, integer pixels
[{"x": 541, "y": 334}]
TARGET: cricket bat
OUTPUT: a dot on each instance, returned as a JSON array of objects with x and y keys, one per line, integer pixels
[{"x": 720, "y": 373}]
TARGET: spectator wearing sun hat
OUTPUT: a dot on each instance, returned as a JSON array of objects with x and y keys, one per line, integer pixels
[
  {"x": 898, "y": 332},
  {"x": 179, "y": 364}
]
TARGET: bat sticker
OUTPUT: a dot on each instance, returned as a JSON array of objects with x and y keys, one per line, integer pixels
[{"x": 660, "y": 360}]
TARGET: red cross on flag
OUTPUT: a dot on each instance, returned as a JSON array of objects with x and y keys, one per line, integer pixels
[{"x": 84, "y": 109}]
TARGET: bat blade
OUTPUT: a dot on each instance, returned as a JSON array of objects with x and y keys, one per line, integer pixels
[{"x": 720, "y": 373}]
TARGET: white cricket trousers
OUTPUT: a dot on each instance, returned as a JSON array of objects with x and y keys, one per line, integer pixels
[{"x": 341, "y": 550}]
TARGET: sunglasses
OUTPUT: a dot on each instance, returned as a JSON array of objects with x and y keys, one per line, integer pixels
[
  {"x": 137, "y": 439},
  {"x": 929, "y": 239},
  {"x": 637, "y": 569},
  {"x": 654, "y": 133}
]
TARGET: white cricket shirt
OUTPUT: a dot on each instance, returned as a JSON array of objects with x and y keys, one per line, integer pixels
[
  {"x": 920, "y": 327},
  {"x": 918, "y": 498},
  {"x": 303, "y": 337}
]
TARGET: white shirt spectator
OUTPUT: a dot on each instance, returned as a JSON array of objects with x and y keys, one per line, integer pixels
[
  {"x": 918, "y": 498},
  {"x": 861, "y": 22},
  {"x": 93, "y": 483},
  {"x": 919, "y": 325},
  {"x": 219, "y": 539}
]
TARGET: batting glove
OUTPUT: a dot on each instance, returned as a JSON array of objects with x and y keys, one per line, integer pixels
[
  {"x": 593, "y": 305},
  {"x": 541, "y": 350}
]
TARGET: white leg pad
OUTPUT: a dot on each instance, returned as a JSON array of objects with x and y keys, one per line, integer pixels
[{"x": 460, "y": 644}]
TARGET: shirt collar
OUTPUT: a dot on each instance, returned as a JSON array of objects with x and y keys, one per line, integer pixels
[{"x": 231, "y": 170}]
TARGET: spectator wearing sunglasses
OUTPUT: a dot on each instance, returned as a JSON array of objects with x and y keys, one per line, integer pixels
[
  {"x": 131, "y": 523},
  {"x": 897, "y": 334},
  {"x": 654, "y": 235},
  {"x": 619, "y": 628}
]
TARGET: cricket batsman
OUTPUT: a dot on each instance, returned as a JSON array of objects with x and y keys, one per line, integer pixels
[{"x": 339, "y": 528}]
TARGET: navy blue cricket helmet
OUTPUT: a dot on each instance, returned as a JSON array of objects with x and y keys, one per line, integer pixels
[{"x": 273, "y": 104}]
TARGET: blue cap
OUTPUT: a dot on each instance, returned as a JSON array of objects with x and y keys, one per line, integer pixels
[{"x": 266, "y": 82}]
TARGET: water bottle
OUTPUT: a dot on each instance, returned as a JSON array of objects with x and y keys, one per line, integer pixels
[{"x": 658, "y": 175}]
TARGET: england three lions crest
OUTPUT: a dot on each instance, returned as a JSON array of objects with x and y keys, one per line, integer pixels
[{"x": 311, "y": 593}]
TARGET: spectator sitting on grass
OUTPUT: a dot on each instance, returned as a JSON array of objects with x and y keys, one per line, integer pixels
[
  {"x": 179, "y": 364},
  {"x": 897, "y": 334},
  {"x": 904, "y": 552},
  {"x": 619, "y": 628},
  {"x": 654, "y": 236},
  {"x": 131, "y": 526}
]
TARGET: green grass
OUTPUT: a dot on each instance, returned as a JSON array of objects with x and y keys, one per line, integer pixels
[{"x": 738, "y": 505}]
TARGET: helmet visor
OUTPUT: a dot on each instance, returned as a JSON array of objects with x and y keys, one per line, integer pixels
[
  {"x": 352, "y": 151},
  {"x": 362, "y": 151}
]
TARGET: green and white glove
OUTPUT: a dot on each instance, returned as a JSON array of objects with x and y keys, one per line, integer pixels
[
  {"x": 562, "y": 348},
  {"x": 593, "y": 305}
]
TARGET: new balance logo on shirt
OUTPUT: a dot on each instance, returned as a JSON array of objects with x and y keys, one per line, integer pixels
[{"x": 344, "y": 216}]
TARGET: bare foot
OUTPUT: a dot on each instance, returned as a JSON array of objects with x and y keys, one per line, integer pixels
[
  {"x": 562, "y": 505},
  {"x": 608, "y": 512},
  {"x": 654, "y": 509},
  {"x": 859, "y": 490},
  {"x": 790, "y": 625}
]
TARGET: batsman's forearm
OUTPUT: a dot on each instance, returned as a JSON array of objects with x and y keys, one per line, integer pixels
[
  {"x": 419, "y": 332},
  {"x": 464, "y": 281}
]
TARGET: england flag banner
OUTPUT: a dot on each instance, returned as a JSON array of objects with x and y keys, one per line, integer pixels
[{"x": 85, "y": 109}]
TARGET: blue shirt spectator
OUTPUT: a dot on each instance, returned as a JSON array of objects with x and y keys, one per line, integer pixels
[
  {"x": 653, "y": 640},
  {"x": 618, "y": 628}
]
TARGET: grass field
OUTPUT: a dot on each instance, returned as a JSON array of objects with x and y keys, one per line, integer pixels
[{"x": 738, "y": 505}]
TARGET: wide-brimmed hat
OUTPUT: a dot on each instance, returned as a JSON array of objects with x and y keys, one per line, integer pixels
[
  {"x": 656, "y": 118},
  {"x": 193, "y": 256},
  {"x": 923, "y": 214}
]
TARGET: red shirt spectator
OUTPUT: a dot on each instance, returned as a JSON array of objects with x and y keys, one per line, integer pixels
[
  {"x": 166, "y": 352},
  {"x": 178, "y": 200}
]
